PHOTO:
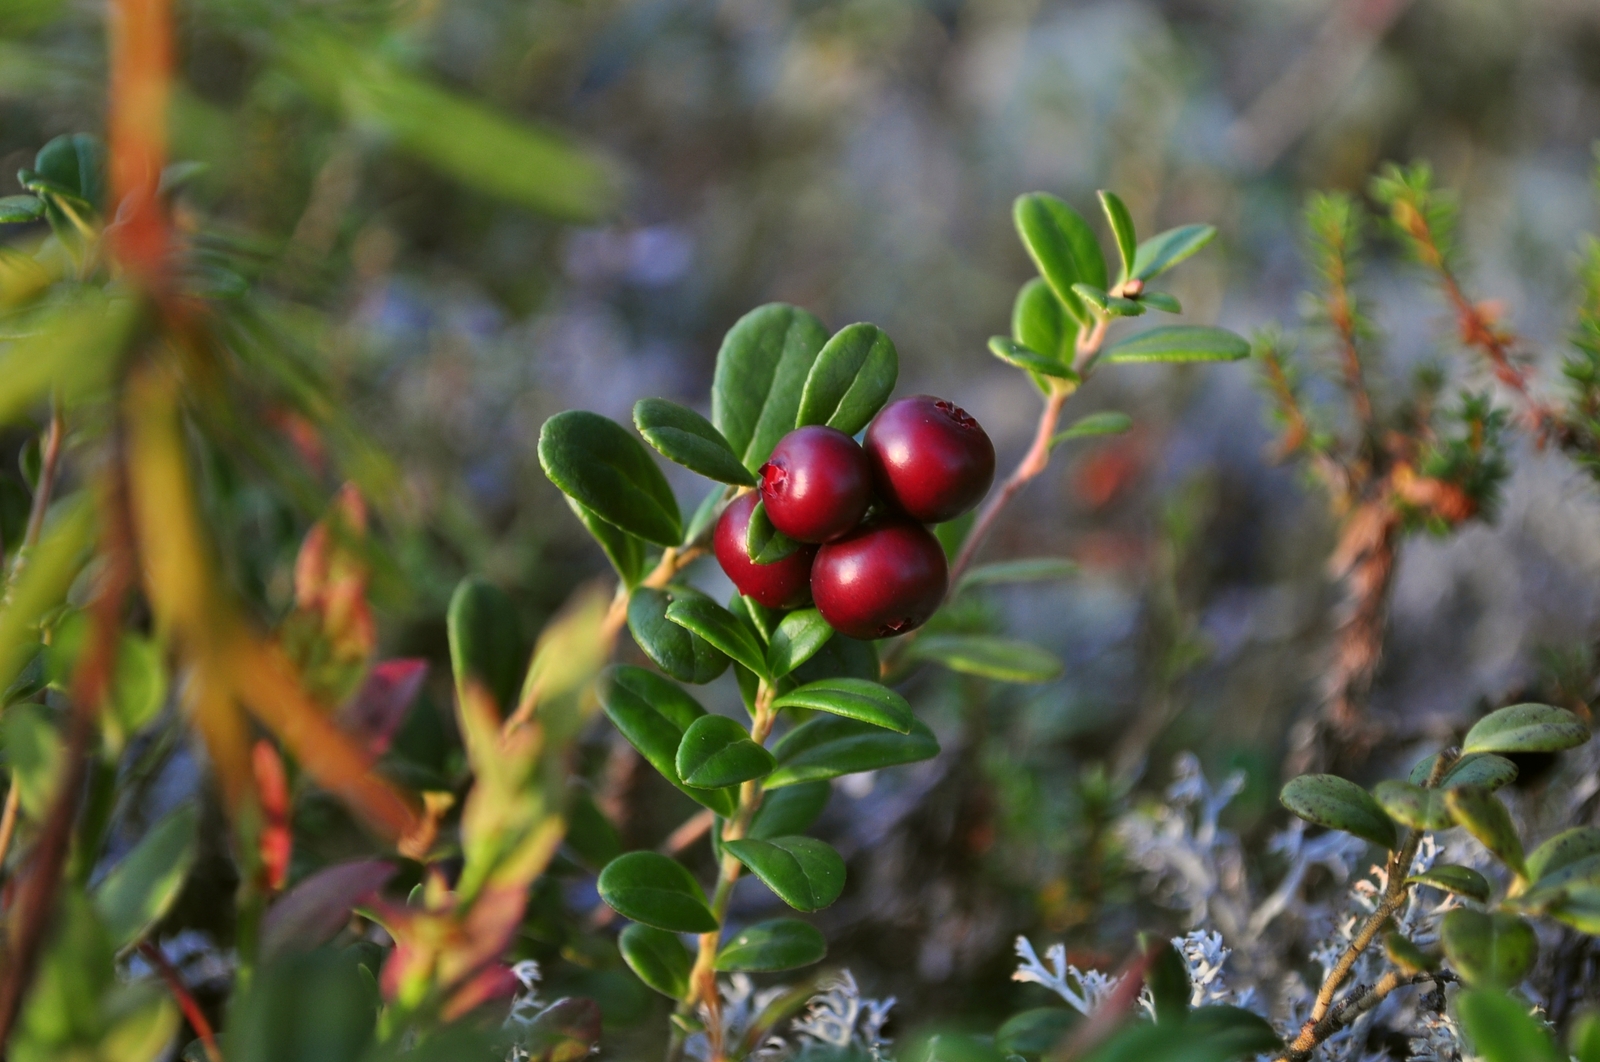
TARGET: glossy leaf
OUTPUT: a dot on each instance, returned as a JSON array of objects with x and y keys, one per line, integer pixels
[
  {"x": 1108, "y": 422},
  {"x": 717, "y": 752},
  {"x": 761, "y": 371},
  {"x": 720, "y": 628},
  {"x": 1014, "y": 353},
  {"x": 76, "y": 163},
  {"x": 1166, "y": 976},
  {"x": 768, "y": 947},
  {"x": 829, "y": 746},
  {"x": 1107, "y": 305},
  {"x": 1526, "y": 728},
  {"x": 599, "y": 463},
  {"x": 1489, "y": 948},
  {"x": 1160, "y": 300},
  {"x": 1410, "y": 959},
  {"x": 989, "y": 656},
  {"x": 1062, "y": 246},
  {"x": 625, "y": 552},
  {"x": 678, "y": 651},
  {"x": 764, "y": 543},
  {"x": 658, "y": 958},
  {"x": 796, "y": 639},
  {"x": 851, "y": 379},
  {"x": 1040, "y": 323},
  {"x": 591, "y": 837},
  {"x": 1339, "y": 804},
  {"x": 705, "y": 516},
  {"x": 1463, "y": 881},
  {"x": 312, "y": 913},
  {"x": 1566, "y": 857},
  {"x": 1502, "y": 1030},
  {"x": 652, "y": 714},
  {"x": 1235, "y": 1032},
  {"x": 791, "y": 809},
  {"x": 1033, "y": 1033},
  {"x": 17, "y": 209},
  {"x": 650, "y": 888},
  {"x": 1163, "y": 251},
  {"x": 1414, "y": 806},
  {"x": 486, "y": 640},
  {"x": 1027, "y": 570},
  {"x": 852, "y": 698},
  {"x": 805, "y": 873},
  {"x": 840, "y": 656},
  {"x": 684, "y": 436},
  {"x": 1179, "y": 343},
  {"x": 1121, "y": 223},
  {"x": 1487, "y": 819},
  {"x": 138, "y": 891},
  {"x": 1483, "y": 769}
]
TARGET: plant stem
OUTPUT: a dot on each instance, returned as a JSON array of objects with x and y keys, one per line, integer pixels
[{"x": 186, "y": 1001}]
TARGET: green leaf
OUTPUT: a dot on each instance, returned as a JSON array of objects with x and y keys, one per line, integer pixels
[
  {"x": 717, "y": 752},
  {"x": 853, "y": 698},
  {"x": 1463, "y": 881},
  {"x": 807, "y": 874},
  {"x": 840, "y": 656},
  {"x": 1161, "y": 252},
  {"x": 34, "y": 752},
  {"x": 1013, "y": 353},
  {"x": 1034, "y": 1033},
  {"x": 139, "y": 689},
  {"x": 1489, "y": 949},
  {"x": 829, "y": 746},
  {"x": 1567, "y": 856},
  {"x": 486, "y": 640},
  {"x": 678, "y": 651},
  {"x": 75, "y": 162},
  {"x": 703, "y": 616},
  {"x": 1583, "y": 1038},
  {"x": 1487, "y": 820},
  {"x": 1121, "y": 229},
  {"x": 1166, "y": 975},
  {"x": 70, "y": 351},
  {"x": 764, "y": 543},
  {"x": 16, "y": 209},
  {"x": 1411, "y": 959},
  {"x": 1107, "y": 305},
  {"x": 705, "y": 516},
  {"x": 1062, "y": 246},
  {"x": 990, "y": 656},
  {"x": 1526, "y": 728},
  {"x": 137, "y": 892},
  {"x": 650, "y": 888},
  {"x": 269, "y": 1016},
  {"x": 1483, "y": 769},
  {"x": 1179, "y": 343},
  {"x": 1027, "y": 570},
  {"x": 658, "y": 958},
  {"x": 652, "y": 714},
  {"x": 791, "y": 809},
  {"x": 1107, "y": 422},
  {"x": 1502, "y": 1030},
  {"x": 761, "y": 372},
  {"x": 590, "y": 836},
  {"x": 1235, "y": 1032},
  {"x": 1160, "y": 300},
  {"x": 797, "y": 638},
  {"x": 1414, "y": 806},
  {"x": 851, "y": 379},
  {"x": 1339, "y": 804},
  {"x": 624, "y": 551},
  {"x": 684, "y": 436},
  {"x": 1040, "y": 323},
  {"x": 768, "y": 947},
  {"x": 597, "y": 461}
]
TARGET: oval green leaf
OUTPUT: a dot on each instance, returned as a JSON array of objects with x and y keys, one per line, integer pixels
[
  {"x": 1339, "y": 804},
  {"x": 1411, "y": 959},
  {"x": 1014, "y": 353},
  {"x": 768, "y": 947},
  {"x": 598, "y": 462},
  {"x": 764, "y": 543},
  {"x": 990, "y": 656},
  {"x": 1502, "y": 1030},
  {"x": 791, "y": 809},
  {"x": 805, "y": 873},
  {"x": 1108, "y": 422},
  {"x": 624, "y": 551},
  {"x": 1489, "y": 948},
  {"x": 717, "y": 752},
  {"x": 1526, "y": 728},
  {"x": 761, "y": 372},
  {"x": 1414, "y": 806},
  {"x": 1160, "y": 300},
  {"x": 16, "y": 209},
  {"x": 650, "y": 888},
  {"x": 1121, "y": 223},
  {"x": 485, "y": 634},
  {"x": 840, "y": 655},
  {"x": 1027, "y": 570},
  {"x": 1482, "y": 769},
  {"x": 1463, "y": 881},
  {"x": 137, "y": 892},
  {"x": 700, "y": 615},
  {"x": 1034, "y": 1033},
  {"x": 1179, "y": 343},
  {"x": 797, "y": 638},
  {"x": 1567, "y": 856},
  {"x": 851, "y": 379},
  {"x": 829, "y": 746},
  {"x": 684, "y": 436},
  {"x": 1163, "y": 251},
  {"x": 657, "y": 958},
  {"x": 652, "y": 714},
  {"x": 677, "y": 650},
  {"x": 853, "y": 698},
  {"x": 1040, "y": 323},
  {"x": 1062, "y": 246},
  {"x": 1487, "y": 819}
]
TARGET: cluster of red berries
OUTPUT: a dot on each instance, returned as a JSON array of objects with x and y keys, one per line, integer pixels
[{"x": 868, "y": 560}]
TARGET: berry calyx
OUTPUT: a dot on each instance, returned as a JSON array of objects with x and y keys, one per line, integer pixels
[
  {"x": 887, "y": 578},
  {"x": 930, "y": 458},
  {"x": 781, "y": 584},
  {"x": 817, "y": 484}
]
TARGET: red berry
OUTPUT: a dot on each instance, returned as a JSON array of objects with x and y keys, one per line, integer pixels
[
  {"x": 817, "y": 484},
  {"x": 782, "y": 584},
  {"x": 930, "y": 458},
  {"x": 885, "y": 579}
]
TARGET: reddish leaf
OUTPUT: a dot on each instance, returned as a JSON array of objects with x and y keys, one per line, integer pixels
[
  {"x": 314, "y": 910},
  {"x": 272, "y": 789},
  {"x": 489, "y": 984},
  {"x": 376, "y": 711}
]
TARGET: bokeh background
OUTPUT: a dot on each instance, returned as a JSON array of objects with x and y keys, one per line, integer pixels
[{"x": 859, "y": 158}]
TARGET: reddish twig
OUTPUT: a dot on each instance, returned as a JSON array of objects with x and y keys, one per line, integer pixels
[{"x": 184, "y": 998}]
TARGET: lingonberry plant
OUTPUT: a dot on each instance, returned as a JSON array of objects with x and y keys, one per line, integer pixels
[{"x": 801, "y": 510}]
